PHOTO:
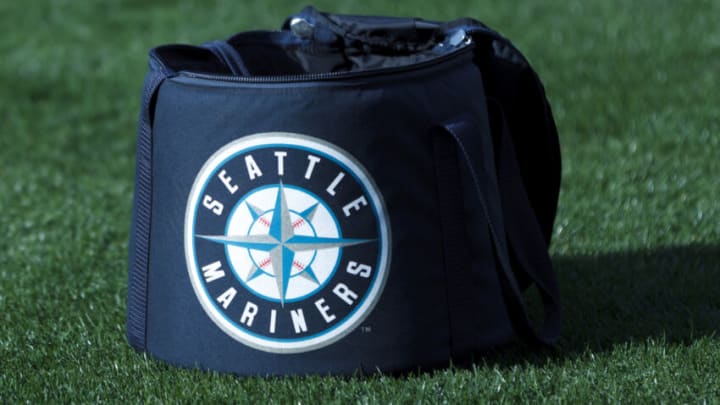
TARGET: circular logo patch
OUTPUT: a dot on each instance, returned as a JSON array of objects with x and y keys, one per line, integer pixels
[{"x": 287, "y": 241}]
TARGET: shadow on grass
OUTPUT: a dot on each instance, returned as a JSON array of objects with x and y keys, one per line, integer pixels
[{"x": 670, "y": 294}]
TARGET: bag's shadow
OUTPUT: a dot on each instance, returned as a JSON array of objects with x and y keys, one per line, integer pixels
[{"x": 670, "y": 294}]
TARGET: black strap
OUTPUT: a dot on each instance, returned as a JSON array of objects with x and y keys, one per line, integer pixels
[
  {"x": 460, "y": 289},
  {"x": 528, "y": 246},
  {"x": 229, "y": 56},
  {"x": 142, "y": 205},
  {"x": 504, "y": 199}
]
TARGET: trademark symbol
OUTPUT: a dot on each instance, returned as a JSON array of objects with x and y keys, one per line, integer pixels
[{"x": 366, "y": 329}]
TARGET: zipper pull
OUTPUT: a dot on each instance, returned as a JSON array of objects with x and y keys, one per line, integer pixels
[
  {"x": 455, "y": 39},
  {"x": 459, "y": 37},
  {"x": 301, "y": 27}
]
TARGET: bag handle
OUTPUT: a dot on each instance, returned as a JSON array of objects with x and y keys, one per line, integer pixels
[
  {"x": 142, "y": 207},
  {"x": 505, "y": 206}
]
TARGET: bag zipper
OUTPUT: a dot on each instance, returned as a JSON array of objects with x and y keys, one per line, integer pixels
[{"x": 466, "y": 46}]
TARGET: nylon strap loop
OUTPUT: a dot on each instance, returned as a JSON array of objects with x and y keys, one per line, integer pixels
[
  {"x": 501, "y": 201},
  {"x": 142, "y": 206}
]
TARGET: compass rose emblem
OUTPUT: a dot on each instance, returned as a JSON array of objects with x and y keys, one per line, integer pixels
[
  {"x": 287, "y": 242},
  {"x": 281, "y": 243}
]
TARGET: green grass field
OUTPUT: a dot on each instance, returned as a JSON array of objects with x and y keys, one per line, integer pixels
[{"x": 635, "y": 90}]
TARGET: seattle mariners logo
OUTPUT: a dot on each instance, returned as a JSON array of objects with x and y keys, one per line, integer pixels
[{"x": 287, "y": 242}]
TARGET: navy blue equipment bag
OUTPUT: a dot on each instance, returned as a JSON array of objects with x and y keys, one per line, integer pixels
[{"x": 349, "y": 193}]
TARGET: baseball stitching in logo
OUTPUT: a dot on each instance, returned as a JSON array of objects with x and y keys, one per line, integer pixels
[{"x": 287, "y": 241}]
